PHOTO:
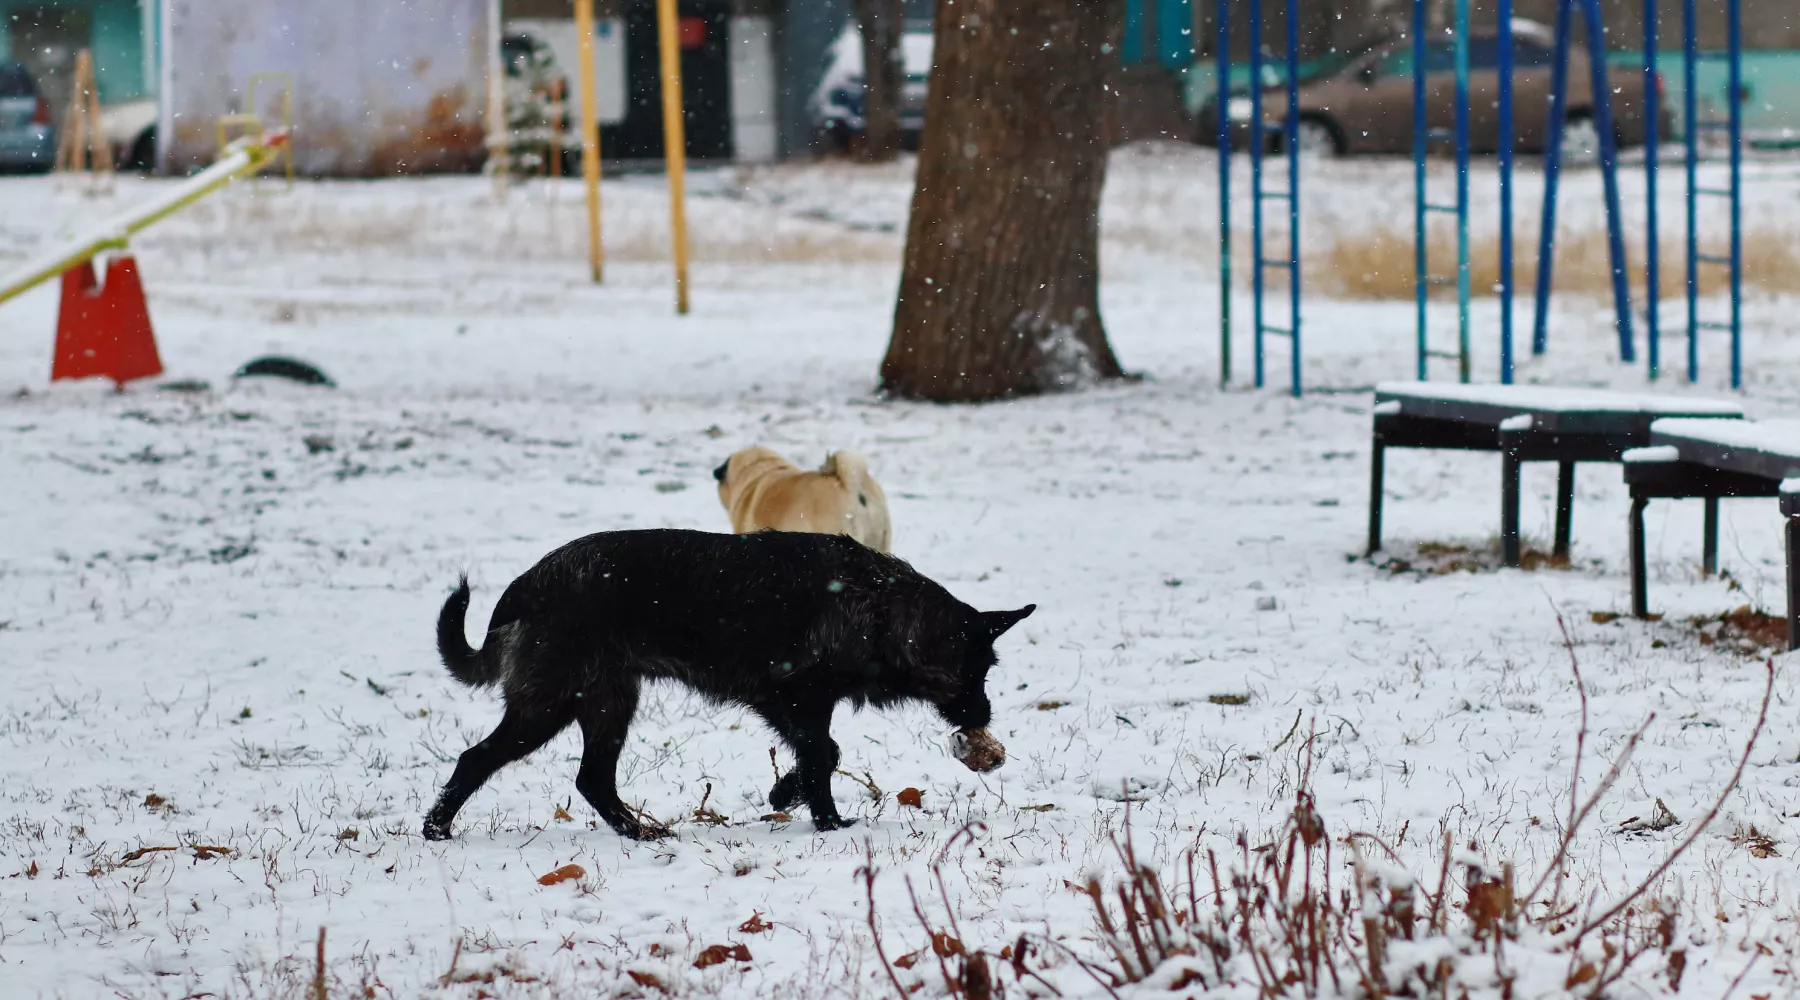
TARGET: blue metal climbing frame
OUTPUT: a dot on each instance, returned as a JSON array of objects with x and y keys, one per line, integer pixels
[
  {"x": 1609, "y": 174},
  {"x": 1423, "y": 136},
  {"x": 1291, "y": 152},
  {"x": 1652, "y": 252},
  {"x": 1222, "y": 102},
  {"x": 1692, "y": 126}
]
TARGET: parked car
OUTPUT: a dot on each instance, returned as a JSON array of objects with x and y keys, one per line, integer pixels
[
  {"x": 27, "y": 139},
  {"x": 1274, "y": 80},
  {"x": 1365, "y": 106},
  {"x": 130, "y": 131},
  {"x": 836, "y": 108}
]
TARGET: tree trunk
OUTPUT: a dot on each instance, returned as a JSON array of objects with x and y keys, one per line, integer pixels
[
  {"x": 999, "y": 293},
  {"x": 881, "y": 23}
]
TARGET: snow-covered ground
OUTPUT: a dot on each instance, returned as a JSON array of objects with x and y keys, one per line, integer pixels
[{"x": 216, "y": 606}]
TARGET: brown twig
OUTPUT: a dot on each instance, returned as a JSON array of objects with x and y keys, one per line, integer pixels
[
  {"x": 1762, "y": 717},
  {"x": 867, "y": 872},
  {"x": 317, "y": 992}
]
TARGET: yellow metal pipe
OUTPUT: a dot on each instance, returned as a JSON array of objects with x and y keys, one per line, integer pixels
[
  {"x": 241, "y": 157},
  {"x": 674, "y": 145},
  {"x": 590, "y": 135}
]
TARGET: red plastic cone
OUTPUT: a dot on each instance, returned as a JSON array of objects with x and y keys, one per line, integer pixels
[{"x": 104, "y": 330}]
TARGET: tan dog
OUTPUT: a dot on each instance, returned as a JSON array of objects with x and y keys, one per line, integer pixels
[{"x": 760, "y": 489}]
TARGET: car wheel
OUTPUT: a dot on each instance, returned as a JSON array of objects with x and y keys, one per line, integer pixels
[
  {"x": 1316, "y": 138},
  {"x": 1580, "y": 140},
  {"x": 143, "y": 151}
]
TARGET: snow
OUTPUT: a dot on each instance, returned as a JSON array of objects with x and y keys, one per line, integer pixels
[
  {"x": 1772, "y": 437},
  {"x": 1549, "y": 399},
  {"x": 1652, "y": 455},
  {"x": 218, "y": 605}
]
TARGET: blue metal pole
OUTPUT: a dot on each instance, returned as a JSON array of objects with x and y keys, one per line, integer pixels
[
  {"x": 1293, "y": 198},
  {"x": 1553, "y": 129},
  {"x": 1690, "y": 136},
  {"x": 1462, "y": 190},
  {"x": 1222, "y": 102},
  {"x": 1734, "y": 62},
  {"x": 1256, "y": 188},
  {"x": 1421, "y": 262},
  {"x": 1652, "y": 232},
  {"x": 1609, "y": 176},
  {"x": 1506, "y": 190}
]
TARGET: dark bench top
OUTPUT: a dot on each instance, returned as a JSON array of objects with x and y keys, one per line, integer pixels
[
  {"x": 1550, "y": 408},
  {"x": 1769, "y": 449}
]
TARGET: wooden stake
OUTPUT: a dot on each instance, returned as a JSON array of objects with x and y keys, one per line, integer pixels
[
  {"x": 83, "y": 144},
  {"x": 674, "y": 144},
  {"x": 590, "y": 135}
]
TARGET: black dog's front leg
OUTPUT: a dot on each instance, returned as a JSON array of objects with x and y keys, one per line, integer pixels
[{"x": 807, "y": 729}]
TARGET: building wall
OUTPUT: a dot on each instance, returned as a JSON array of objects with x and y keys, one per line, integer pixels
[{"x": 379, "y": 88}]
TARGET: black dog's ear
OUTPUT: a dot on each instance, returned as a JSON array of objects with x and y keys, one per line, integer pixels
[
  {"x": 724, "y": 467},
  {"x": 997, "y": 622}
]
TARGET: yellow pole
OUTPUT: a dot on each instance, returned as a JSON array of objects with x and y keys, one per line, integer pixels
[
  {"x": 590, "y": 134},
  {"x": 674, "y": 145}
]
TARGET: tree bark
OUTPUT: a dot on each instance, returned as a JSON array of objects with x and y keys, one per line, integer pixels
[
  {"x": 999, "y": 291},
  {"x": 881, "y": 22}
]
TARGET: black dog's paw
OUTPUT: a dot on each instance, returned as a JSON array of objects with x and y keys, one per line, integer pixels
[
  {"x": 826, "y": 824},
  {"x": 634, "y": 829},
  {"x": 786, "y": 792},
  {"x": 436, "y": 831}
]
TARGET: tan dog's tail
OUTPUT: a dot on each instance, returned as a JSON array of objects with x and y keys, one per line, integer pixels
[{"x": 852, "y": 470}]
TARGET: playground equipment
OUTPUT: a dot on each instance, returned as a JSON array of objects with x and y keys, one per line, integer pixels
[
  {"x": 1733, "y": 191},
  {"x": 1423, "y": 135},
  {"x": 1291, "y": 152},
  {"x": 1609, "y": 180},
  {"x": 105, "y": 329},
  {"x": 1258, "y": 195},
  {"x": 251, "y": 121}
]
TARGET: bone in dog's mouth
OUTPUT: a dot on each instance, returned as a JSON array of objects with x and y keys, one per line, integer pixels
[{"x": 978, "y": 750}]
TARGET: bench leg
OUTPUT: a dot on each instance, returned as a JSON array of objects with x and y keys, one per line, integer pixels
[
  {"x": 1509, "y": 509},
  {"x": 1377, "y": 470},
  {"x": 1709, "y": 545},
  {"x": 1793, "y": 582},
  {"x": 1565, "y": 508},
  {"x": 1640, "y": 576}
]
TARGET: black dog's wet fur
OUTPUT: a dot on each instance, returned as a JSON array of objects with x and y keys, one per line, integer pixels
[{"x": 785, "y": 623}]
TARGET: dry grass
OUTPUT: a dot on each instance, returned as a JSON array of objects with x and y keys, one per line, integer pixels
[
  {"x": 1744, "y": 629},
  {"x": 1377, "y": 264}
]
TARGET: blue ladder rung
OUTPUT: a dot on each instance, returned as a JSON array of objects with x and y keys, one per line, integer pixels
[{"x": 1712, "y": 258}]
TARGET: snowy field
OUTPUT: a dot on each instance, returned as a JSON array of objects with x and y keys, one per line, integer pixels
[{"x": 217, "y": 608}]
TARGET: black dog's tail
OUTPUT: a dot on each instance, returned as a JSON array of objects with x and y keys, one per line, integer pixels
[{"x": 466, "y": 663}]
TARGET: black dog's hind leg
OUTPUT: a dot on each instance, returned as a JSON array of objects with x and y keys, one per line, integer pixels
[
  {"x": 807, "y": 729},
  {"x": 518, "y": 734},
  {"x": 605, "y": 719}
]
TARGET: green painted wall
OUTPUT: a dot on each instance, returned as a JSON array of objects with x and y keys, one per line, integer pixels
[{"x": 118, "y": 42}]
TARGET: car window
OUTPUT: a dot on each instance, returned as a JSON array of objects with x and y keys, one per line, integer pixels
[{"x": 15, "y": 82}]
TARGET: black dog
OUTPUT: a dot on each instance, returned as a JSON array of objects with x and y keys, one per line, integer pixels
[{"x": 784, "y": 623}]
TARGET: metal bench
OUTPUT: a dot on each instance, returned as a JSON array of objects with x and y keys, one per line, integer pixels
[
  {"x": 1709, "y": 459},
  {"x": 1523, "y": 423}
]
